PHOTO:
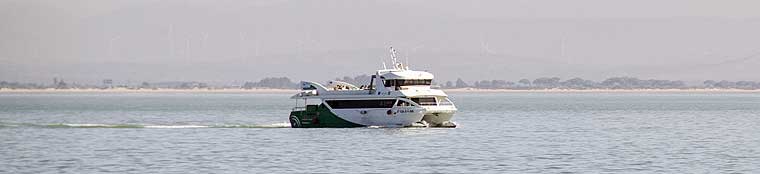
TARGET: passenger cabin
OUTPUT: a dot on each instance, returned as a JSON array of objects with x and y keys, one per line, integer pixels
[{"x": 400, "y": 80}]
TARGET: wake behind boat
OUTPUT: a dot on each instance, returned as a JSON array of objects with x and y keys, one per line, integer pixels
[{"x": 395, "y": 97}]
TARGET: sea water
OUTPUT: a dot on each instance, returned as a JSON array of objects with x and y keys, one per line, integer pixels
[{"x": 588, "y": 132}]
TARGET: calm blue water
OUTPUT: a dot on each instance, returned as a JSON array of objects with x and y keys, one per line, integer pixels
[{"x": 498, "y": 133}]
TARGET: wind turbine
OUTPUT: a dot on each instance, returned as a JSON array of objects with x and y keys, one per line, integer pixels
[
  {"x": 187, "y": 47},
  {"x": 484, "y": 48},
  {"x": 110, "y": 45},
  {"x": 241, "y": 43},
  {"x": 170, "y": 36},
  {"x": 562, "y": 49},
  {"x": 257, "y": 48},
  {"x": 203, "y": 40}
]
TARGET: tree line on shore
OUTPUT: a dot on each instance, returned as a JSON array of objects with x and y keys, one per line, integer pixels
[
  {"x": 609, "y": 83},
  {"x": 61, "y": 84},
  {"x": 522, "y": 84},
  {"x": 579, "y": 83}
]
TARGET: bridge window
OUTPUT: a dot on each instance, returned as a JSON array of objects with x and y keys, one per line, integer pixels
[
  {"x": 408, "y": 82},
  {"x": 354, "y": 104},
  {"x": 425, "y": 101}
]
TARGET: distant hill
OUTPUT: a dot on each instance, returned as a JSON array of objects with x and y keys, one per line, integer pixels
[
  {"x": 538, "y": 83},
  {"x": 272, "y": 82}
]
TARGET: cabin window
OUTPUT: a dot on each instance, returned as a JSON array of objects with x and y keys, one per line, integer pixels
[
  {"x": 354, "y": 104},
  {"x": 408, "y": 82},
  {"x": 425, "y": 101},
  {"x": 310, "y": 87},
  {"x": 446, "y": 102},
  {"x": 403, "y": 103}
]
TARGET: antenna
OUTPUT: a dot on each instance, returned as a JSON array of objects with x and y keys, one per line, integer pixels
[
  {"x": 393, "y": 56},
  {"x": 407, "y": 60},
  {"x": 394, "y": 59}
]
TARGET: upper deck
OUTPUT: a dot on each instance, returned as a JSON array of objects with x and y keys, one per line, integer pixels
[
  {"x": 367, "y": 93},
  {"x": 398, "y": 81},
  {"x": 316, "y": 90}
]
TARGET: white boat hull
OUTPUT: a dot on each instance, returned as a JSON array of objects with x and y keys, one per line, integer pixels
[
  {"x": 381, "y": 117},
  {"x": 438, "y": 116}
]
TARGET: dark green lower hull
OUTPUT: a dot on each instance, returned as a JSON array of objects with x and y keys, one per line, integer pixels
[{"x": 318, "y": 117}]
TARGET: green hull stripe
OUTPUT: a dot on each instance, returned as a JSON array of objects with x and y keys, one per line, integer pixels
[{"x": 318, "y": 117}]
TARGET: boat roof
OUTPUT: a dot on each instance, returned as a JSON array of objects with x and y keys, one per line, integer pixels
[
  {"x": 405, "y": 74},
  {"x": 348, "y": 94}
]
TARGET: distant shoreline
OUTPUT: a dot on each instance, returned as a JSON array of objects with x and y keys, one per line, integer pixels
[
  {"x": 477, "y": 90},
  {"x": 159, "y": 90},
  {"x": 269, "y": 90}
]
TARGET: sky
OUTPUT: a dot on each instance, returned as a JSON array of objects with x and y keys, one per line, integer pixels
[{"x": 233, "y": 41}]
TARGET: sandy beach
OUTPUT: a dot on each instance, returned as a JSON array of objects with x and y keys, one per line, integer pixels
[
  {"x": 125, "y": 90},
  {"x": 269, "y": 90},
  {"x": 475, "y": 90}
]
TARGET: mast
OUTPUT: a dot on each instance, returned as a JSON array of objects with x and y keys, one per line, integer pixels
[{"x": 394, "y": 60}]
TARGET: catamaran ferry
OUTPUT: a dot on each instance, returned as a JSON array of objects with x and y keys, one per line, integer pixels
[{"x": 395, "y": 97}]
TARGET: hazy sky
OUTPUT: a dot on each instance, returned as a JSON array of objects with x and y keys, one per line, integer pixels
[{"x": 234, "y": 41}]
